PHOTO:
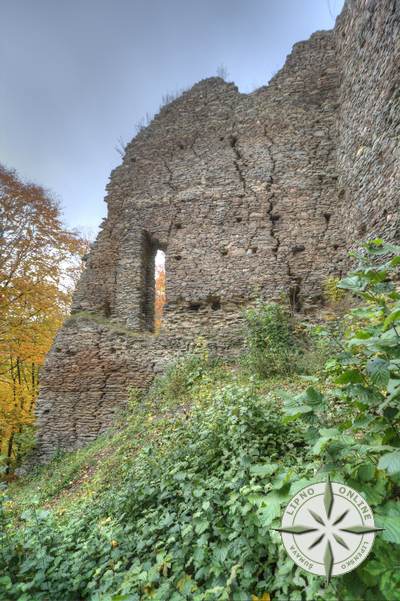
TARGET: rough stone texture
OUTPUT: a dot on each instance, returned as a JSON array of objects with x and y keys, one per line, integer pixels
[
  {"x": 368, "y": 156},
  {"x": 250, "y": 196}
]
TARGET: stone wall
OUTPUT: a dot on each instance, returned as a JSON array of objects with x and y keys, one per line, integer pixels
[
  {"x": 368, "y": 41},
  {"x": 249, "y": 195}
]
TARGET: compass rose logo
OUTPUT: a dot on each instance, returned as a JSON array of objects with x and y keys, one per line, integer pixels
[{"x": 328, "y": 529}]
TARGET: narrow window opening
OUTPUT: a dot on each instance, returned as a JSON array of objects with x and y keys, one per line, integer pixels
[
  {"x": 153, "y": 282},
  {"x": 160, "y": 297}
]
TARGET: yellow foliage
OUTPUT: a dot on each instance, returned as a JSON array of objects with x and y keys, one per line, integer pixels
[
  {"x": 39, "y": 264},
  {"x": 186, "y": 582},
  {"x": 332, "y": 292},
  {"x": 160, "y": 298}
]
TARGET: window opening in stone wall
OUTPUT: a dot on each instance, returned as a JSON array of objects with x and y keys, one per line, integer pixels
[
  {"x": 159, "y": 273},
  {"x": 153, "y": 283}
]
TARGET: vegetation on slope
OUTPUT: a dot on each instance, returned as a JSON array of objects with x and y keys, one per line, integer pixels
[{"x": 180, "y": 501}]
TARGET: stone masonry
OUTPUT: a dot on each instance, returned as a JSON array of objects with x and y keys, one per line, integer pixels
[{"x": 250, "y": 196}]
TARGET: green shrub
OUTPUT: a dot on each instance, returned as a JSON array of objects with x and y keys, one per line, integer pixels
[
  {"x": 190, "y": 518},
  {"x": 354, "y": 426},
  {"x": 320, "y": 345},
  {"x": 180, "y": 378},
  {"x": 177, "y": 380},
  {"x": 271, "y": 342},
  {"x": 189, "y": 508},
  {"x": 24, "y": 443}
]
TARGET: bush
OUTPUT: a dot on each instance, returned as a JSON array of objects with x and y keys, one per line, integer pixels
[
  {"x": 188, "y": 510},
  {"x": 354, "y": 425},
  {"x": 272, "y": 345},
  {"x": 320, "y": 345},
  {"x": 179, "y": 379},
  {"x": 190, "y": 518}
]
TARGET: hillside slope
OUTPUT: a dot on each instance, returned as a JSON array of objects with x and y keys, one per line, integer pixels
[{"x": 180, "y": 500}]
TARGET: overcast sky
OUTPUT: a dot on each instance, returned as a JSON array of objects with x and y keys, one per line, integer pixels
[{"x": 77, "y": 75}]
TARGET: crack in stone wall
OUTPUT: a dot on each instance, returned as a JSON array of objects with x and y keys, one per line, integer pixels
[
  {"x": 251, "y": 196},
  {"x": 273, "y": 218}
]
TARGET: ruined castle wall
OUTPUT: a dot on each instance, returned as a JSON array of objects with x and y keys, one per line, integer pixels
[
  {"x": 239, "y": 191},
  {"x": 232, "y": 186},
  {"x": 368, "y": 41},
  {"x": 250, "y": 196}
]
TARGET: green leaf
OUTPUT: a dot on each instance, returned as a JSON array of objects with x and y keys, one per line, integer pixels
[
  {"x": 5, "y": 582},
  {"x": 391, "y": 528},
  {"x": 320, "y": 445},
  {"x": 366, "y": 472},
  {"x": 391, "y": 319},
  {"x": 351, "y": 376},
  {"x": 298, "y": 485},
  {"x": 313, "y": 396},
  {"x": 327, "y": 435},
  {"x": 379, "y": 371},
  {"x": 201, "y": 526},
  {"x": 298, "y": 410},
  {"x": 263, "y": 469},
  {"x": 390, "y": 462},
  {"x": 391, "y": 248},
  {"x": 365, "y": 394},
  {"x": 221, "y": 553},
  {"x": 353, "y": 283},
  {"x": 270, "y": 512},
  {"x": 363, "y": 334}
]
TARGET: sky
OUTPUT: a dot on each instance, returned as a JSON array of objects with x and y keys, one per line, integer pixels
[{"x": 77, "y": 76}]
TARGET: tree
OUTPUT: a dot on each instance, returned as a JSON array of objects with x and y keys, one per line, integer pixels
[
  {"x": 39, "y": 264},
  {"x": 160, "y": 296}
]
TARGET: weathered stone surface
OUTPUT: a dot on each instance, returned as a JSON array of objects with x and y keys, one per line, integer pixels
[
  {"x": 250, "y": 196},
  {"x": 368, "y": 156}
]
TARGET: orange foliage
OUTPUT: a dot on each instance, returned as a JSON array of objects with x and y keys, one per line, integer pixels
[
  {"x": 39, "y": 264},
  {"x": 160, "y": 297}
]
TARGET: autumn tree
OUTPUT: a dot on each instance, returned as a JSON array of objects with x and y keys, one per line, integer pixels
[
  {"x": 160, "y": 295},
  {"x": 39, "y": 263}
]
